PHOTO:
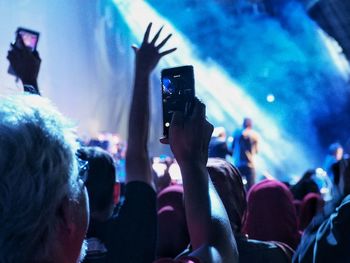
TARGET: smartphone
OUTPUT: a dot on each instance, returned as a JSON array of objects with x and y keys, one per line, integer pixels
[
  {"x": 177, "y": 93},
  {"x": 30, "y": 39}
]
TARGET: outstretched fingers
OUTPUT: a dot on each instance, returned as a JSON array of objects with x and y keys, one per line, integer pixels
[
  {"x": 155, "y": 38},
  {"x": 148, "y": 30},
  {"x": 164, "y": 41},
  {"x": 162, "y": 54}
]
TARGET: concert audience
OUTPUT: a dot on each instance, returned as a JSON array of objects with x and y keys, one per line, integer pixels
[
  {"x": 327, "y": 238},
  {"x": 125, "y": 233},
  {"x": 45, "y": 210},
  {"x": 228, "y": 182},
  {"x": 44, "y": 153}
]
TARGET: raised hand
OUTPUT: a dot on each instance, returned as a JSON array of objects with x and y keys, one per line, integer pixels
[
  {"x": 24, "y": 62},
  {"x": 210, "y": 232},
  {"x": 147, "y": 57},
  {"x": 189, "y": 136},
  {"x": 149, "y": 54}
]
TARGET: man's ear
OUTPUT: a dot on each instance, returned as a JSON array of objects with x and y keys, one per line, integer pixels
[
  {"x": 66, "y": 245},
  {"x": 67, "y": 225},
  {"x": 73, "y": 220}
]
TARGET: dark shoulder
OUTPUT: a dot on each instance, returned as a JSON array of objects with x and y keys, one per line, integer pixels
[
  {"x": 259, "y": 251},
  {"x": 139, "y": 187}
]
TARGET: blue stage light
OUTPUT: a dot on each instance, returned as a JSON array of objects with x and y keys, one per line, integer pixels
[{"x": 270, "y": 98}]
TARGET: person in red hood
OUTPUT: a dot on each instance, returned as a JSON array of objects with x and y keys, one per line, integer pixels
[{"x": 271, "y": 215}]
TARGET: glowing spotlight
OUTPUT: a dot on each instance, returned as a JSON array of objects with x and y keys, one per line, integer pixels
[{"x": 270, "y": 98}]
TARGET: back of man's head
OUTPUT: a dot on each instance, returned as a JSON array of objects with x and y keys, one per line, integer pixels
[
  {"x": 100, "y": 181},
  {"x": 38, "y": 171},
  {"x": 247, "y": 123}
]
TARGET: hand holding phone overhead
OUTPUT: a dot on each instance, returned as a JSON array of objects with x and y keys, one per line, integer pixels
[
  {"x": 177, "y": 94},
  {"x": 23, "y": 57}
]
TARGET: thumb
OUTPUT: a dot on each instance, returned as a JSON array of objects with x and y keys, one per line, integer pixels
[
  {"x": 19, "y": 42},
  {"x": 135, "y": 48},
  {"x": 177, "y": 119},
  {"x": 208, "y": 129},
  {"x": 164, "y": 140}
]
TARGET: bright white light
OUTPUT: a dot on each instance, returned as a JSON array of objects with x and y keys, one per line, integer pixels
[
  {"x": 321, "y": 172},
  {"x": 225, "y": 99},
  {"x": 336, "y": 53},
  {"x": 324, "y": 190},
  {"x": 159, "y": 168},
  {"x": 175, "y": 173},
  {"x": 270, "y": 98}
]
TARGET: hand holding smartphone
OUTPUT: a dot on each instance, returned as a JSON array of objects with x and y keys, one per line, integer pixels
[
  {"x": 177, "y": 93},
  {"x": 25, "y": 39}
]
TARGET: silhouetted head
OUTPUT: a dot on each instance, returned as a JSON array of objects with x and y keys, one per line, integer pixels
[
  {"x": 336, "y": 150},
  {"x": 219, "y": 132},
  {"x": 173, "y": 237},
  {"x": 247, "y": 123},
  {"x": 100, "y": 181},
  {"x": 228, "y": 183},
  {"x": 271, "y": 214}
]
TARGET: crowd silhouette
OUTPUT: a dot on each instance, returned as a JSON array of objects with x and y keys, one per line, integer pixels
[{"x": 61, "y": 200}]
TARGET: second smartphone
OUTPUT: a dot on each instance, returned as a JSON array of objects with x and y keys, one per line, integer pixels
[{"x": 177, "y": 92}]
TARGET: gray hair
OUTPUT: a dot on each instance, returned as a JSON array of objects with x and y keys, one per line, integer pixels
[{"x": 38, "y": 170}]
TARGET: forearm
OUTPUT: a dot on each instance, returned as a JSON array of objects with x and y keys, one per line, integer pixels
[
  {"x": 207, "y": 221},
  {"x": 139, "y": 111},
  {"x": 197, "y": 202},
  {"x": 137, "y": 159}
]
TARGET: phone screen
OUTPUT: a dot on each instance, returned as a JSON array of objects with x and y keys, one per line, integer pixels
[
  {"x": 177, "y": 91},
  {"x": 30, "y": 38}
]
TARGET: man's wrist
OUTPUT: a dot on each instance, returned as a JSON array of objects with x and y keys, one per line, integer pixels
[
  {"x": 191, "y": 165},
  {"x": 26, "y": 81},
  {"x": 143, "y": 68},
  {"x": 30, "y": 86}
]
